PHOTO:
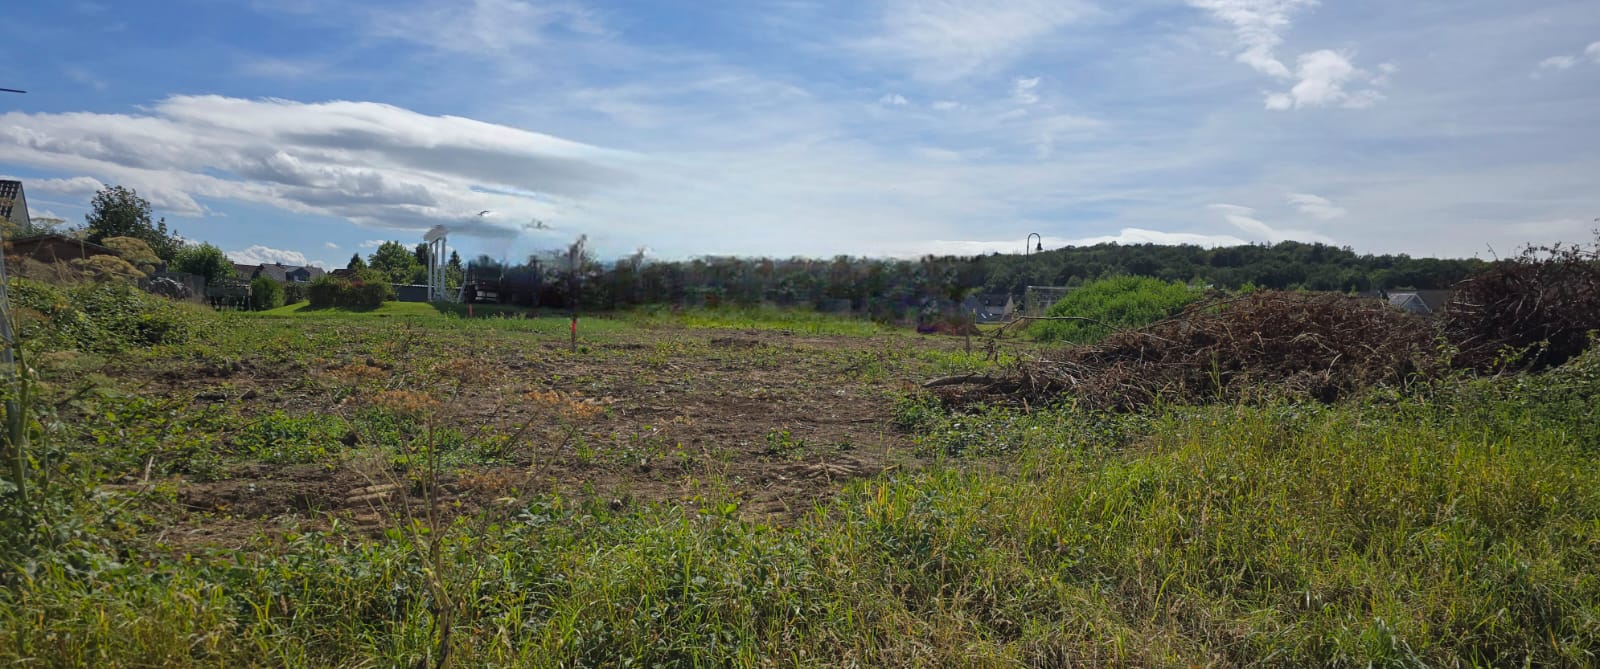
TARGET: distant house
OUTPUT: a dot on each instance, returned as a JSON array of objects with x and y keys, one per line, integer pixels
[
  {"x": 992, "y": 308},
  {"x": 54, "y": 248},
  {"x": 14, "y": 204},
  {"x": 1421, "y": 302},
  {"x": 278, "y": 272}
]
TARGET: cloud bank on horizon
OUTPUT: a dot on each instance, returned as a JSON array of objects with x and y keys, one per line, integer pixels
[{"x": 889, "y": 127}]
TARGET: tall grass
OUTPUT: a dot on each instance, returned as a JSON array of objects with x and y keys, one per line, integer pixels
[
  {"x": 762, "y": 318},
  {"x": 1392, "y": 533}
]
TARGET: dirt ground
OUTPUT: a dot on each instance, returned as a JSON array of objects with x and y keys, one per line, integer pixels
[{"x": 770, "y": 421}]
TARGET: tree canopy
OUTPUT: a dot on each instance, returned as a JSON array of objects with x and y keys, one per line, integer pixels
[
  {"x": 204, "y": 260},
  {"x": 117, "y": 211}
]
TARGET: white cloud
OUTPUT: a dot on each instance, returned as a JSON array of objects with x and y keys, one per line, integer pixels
[
  {"x": 1026, "y": 91},
  {"x": 1258, "y": 26},
  {"x": 1326, "y": 78},
  {"x": 262, "y": 255},
  {"x": 76, "y": 186},
  {"x": 946, "y": 105},
  {"x": 492, "y": 27},
  {"x": 330, "y": 246},
  {"x": 1317, "y": 207},
  {"x": 893, "y": 100},
  {"x": 1322, "y": 78},
  {"x": 372, "y": 243},
  {"x": 1568, "y": 61},
  {"x": 1244, "y": 218},
  {"x": 1558, "y": 63},
  {"x": 1123, "y": 236},
  {"x": 946, "y": 40},
  {"x": 372, "y": 164}
]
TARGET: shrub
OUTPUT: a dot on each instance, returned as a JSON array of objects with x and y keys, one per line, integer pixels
[
  {"x": 101, "y": 317},
  {"x": 265, "y": 293},
  {"x": 106, "y": 268},
  {"x": 135, "y": 251},
  {"x": 1119, "y": 303},
  {"x": 294, "y": 293},
  {"x": 368, "y": 290}
]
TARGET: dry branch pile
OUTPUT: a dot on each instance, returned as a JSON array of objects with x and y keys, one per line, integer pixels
[
  {"x": 1531, "y": 313},
  {"x": 1316, "y": 346}
]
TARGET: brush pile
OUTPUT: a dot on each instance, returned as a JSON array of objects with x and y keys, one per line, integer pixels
[
  {"x": 1319, "y": 346},
  {"x": 1527, "y": 314}
]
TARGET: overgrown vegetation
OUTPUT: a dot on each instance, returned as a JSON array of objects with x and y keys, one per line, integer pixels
[
  {"x": 106, "y": 316},
  {"x": 1315, "y": 504},
  {"x": 1102, "y": 307}
]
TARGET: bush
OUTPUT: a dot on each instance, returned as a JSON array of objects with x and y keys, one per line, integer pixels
[
  {"x": 135, "y": 251},
  {"x": 367, "y": 291},
  {"x": 106, "y": 268},
  {"x": 100, "y": 317},
  {"x": 1119, "y": 303},
  {"x": 294, "y": 293},
  {"x": 265, "y": 293}
]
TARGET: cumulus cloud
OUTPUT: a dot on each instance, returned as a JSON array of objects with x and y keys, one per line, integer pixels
[
  {"x": 946, "y": 40},
  {"x": 1317, "y": 207},
  {"x": 262, "y": 255},
  {"x": 1328, "y": 78},
  {"x": 372, "y": 164},
  {"x": 893, "y": 100}
]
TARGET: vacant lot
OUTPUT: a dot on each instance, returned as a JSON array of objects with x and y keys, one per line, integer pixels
[{"x": 407, "y": 488}]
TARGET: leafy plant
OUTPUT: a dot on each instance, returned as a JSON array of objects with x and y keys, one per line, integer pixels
[{"x": 1109, "y": 305}]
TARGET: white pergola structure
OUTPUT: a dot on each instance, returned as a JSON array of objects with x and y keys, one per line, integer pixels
[{"x": 438, "y": 257}]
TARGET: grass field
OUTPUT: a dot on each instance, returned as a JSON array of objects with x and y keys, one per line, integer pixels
[{"x": 304, "y": 488}]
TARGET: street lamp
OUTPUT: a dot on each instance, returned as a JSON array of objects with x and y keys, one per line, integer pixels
[{"x": 1038, "y": 249}]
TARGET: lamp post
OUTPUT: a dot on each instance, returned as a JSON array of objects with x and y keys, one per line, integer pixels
[{"x": 1026, "y": 250}]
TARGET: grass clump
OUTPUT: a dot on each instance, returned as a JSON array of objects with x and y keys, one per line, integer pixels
[{"x": 1109, "y": 305}]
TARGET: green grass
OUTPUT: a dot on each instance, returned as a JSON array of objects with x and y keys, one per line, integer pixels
[
  {"x": 803, "y": 321},
  {"x": 1457, "y": 526}
]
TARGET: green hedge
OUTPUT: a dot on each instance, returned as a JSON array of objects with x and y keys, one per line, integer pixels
[{"x": 366, "y": 291}]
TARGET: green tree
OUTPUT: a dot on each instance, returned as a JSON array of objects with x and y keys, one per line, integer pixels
[
  {"x": 356, "y": 263},
  {"x": 117, "y": 211},
  {"x": 395, "y": 261},
  {"x": 204, "y": 260}
]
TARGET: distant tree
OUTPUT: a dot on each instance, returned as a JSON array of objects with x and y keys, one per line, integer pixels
[
  {"x": 395, "y": 261},
  {"x": 422, "y": 253},
  {"x": 356, "y": 263},
  {"x": 120, "y": 212},
  {"x": 204, "y": 260}
]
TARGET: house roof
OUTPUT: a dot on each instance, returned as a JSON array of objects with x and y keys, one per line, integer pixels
[
  {"x": 27, "y": 245},
  {"x": 10, "y": 193},
  {"x": 1421, "y": 301}
]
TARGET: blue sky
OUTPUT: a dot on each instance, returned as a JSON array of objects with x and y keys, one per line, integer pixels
[{"x": 297, "y": 130}]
